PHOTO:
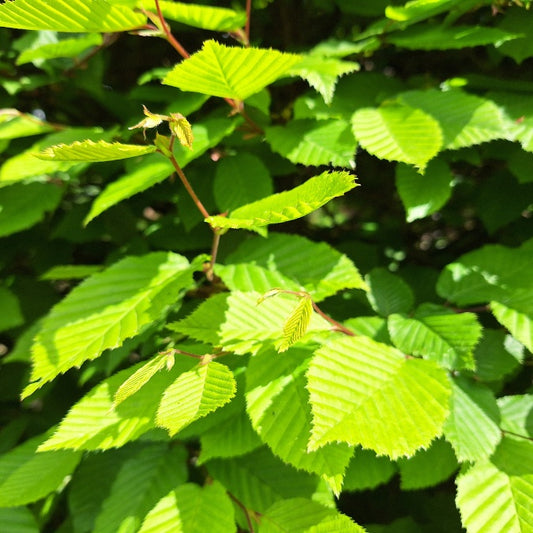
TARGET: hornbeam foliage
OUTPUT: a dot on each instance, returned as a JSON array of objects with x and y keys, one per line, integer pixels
[{"x": 367, "y": 340}]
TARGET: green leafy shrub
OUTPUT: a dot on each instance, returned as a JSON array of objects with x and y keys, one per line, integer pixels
[{"x": 209, "y": 322}]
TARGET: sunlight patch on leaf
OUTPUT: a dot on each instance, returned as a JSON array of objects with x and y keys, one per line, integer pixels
[{"x": 230, "y": 72}]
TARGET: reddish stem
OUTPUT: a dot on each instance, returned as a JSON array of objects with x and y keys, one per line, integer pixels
[
  {"x": 189, "y": 188},
  {"x": 171, "y": 39},
  {"x": 244, "y": 510},
  {"x": 248, "y": 17},
  {"x": 337, "y": 325}
]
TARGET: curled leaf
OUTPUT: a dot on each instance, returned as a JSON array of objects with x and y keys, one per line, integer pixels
[{"x": 182, "y": 129}]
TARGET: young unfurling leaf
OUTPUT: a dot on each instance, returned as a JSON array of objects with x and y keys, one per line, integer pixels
[{"x": 296, "y": 324}]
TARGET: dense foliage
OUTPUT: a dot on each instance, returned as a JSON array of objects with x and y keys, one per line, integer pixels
[{"x": 266, "y": 266}]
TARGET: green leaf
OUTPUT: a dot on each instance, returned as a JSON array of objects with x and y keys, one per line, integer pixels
[
  {"x": 141, "y": 376},
  {"x": 424, "y": 195},
  {"x": 23, "y": 205},
  {"x": 97, "y": 16},
  {"x": 497, "y": 355},
  {"x": 259, "y": 479},
  {"x": 249, "y": 277},
  {"x": 93, "y": 423},
  {"x": 299, "y": 515},
  {"x": 432, "y": 37},
  {"x": 278, "y": 405},
  {"x": 398, "y": 132},
  {"x": 367, "y": 471},
  {"x": 93, "y": 151},
  {"x": 314, "y": 142},
  {"x": 15, "y": 124},
  {"x": 516, "y": 314},
  {"x": 231, "y": 438},
  {"x": 26, "y": 165},
  {"x": 316, "y": 268},
  {"x": 106, "y": 309},
  {"x": 428, "y": 468},
  {"x": 230, "y": 72},
  {"x": 10, "y": 312},
  {"x": 367, "y": 393},
  {"x": 472, "y": 427},
  {"x": 297, "y": 323},
  {"x": 195, "y": 394},
  {"x": 154, "y": 168},
  {"x": 416, "y": 10},
  {"x": 198, "y": 16},
  {"x": 465, "y": 119},
  {"x": 141, "y": 482},
  {"x": 497, "y": 496},
  {"x": 92, "y": 482},
  {"x": 18, "y": 520},
  {"x": 236, "y": 323},
  {"x": 241, "y": 179},
  {"x": 518, "y": 20},
  {"x": 322, "y": 73},
  {"x": 516, "y": 414},
  {"x": 192, "y": 509},
  {"x": 27, "y": 476},
  {"x": 71, "y": 271},
  {"x": 63, "y": 48},
  {"x": 287, "y": 205},
  {"x": 493, "y": 272},
  {"x": 438, "y": 334},
  {"x": 388, "y": 292}
]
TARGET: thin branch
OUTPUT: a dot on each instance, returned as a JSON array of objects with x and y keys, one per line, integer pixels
[
  {"x": 214, "y": 251},
  {"x": 337, "y": 325},
  {"x": 108, "y": 40},
  {"x": 170, "y": 38},
  {"x": 507, "y": 432},
  {"x": 189, "y": 188},
  {"x": 245, "y": 511},
  {"x": 248, "y": 17}
]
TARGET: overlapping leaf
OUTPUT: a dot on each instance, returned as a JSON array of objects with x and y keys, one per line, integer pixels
[
  {"x": 314, "y": 267},
  {"x": 106, "y": 309},
  {"x": 472, "y": 427},
  {"x": 437, "y": 334},
  {"x": 94, "y": 423},
  {"x": 22, "y": 206},
  {"x": 26, "y": 165},
  {"x": 230, "y": 72},
  {"x": 314, "y": 142},
  {"x": 497, "y": 355},
  {"x": 516, "y": 314},
  {"x": 398, "y": 132},
  {"x": 11, "y": 313},
  {"x": 141, "y": 482},
  {"x": 259, "y": 479},
  {"x": 299, "y": 515},
  {"x": 18, "y": 520},
  {"x": 367, "y": 393},
  {"x": 322, "y": 73},
  {"x": 77, "y": 16},
  {"x": 199, "y": 16},
  {"x": 237, "y": 323},
  {"x": 195, "y": 394},
  {"x": 190, "y": 508},
  {"x": 446, "y": 37},
  {"x": 14, "y": 124},
  {"x": 27, "y": 476},
  {"x": 93, "y": 151},
  {"x": 428, "y": 467},
  {"x": 423, "y": 195},
  {"x": 367, "y": 471},
  {"x": 493, "y": 272},
  {"x": 465, "y": 119},
  {"x": 388, "y": 292},
  {"x": 240, "y": 179},
  {"x": 496, "y": 496},
  {"x": 287, "y": 205},
  {"x": 278, "y": 405},
  {"x": 63, "y": 48}
]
